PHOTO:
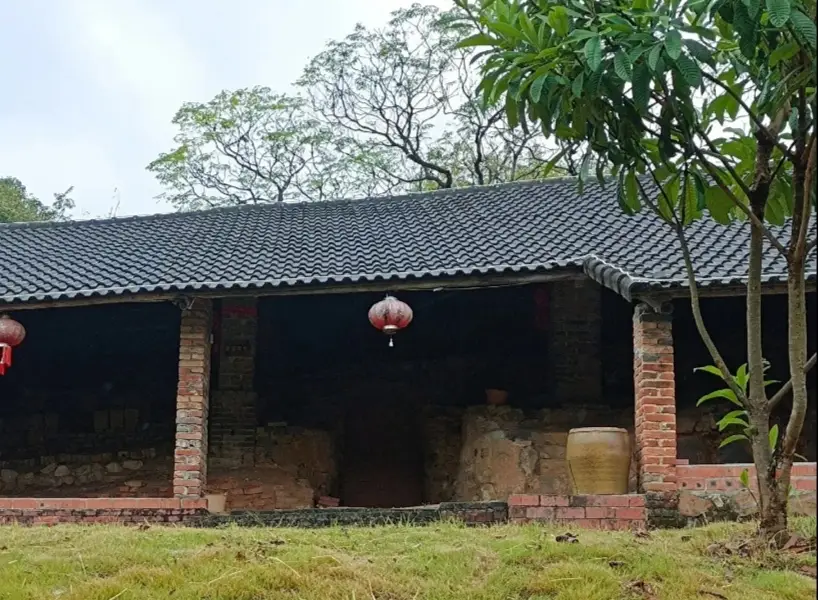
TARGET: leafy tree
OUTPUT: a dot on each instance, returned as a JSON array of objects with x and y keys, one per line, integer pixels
[
  {"x": 701, "y": 109},
  {"x": 17, "y": 204},
  {"x": 409, "y": 91},
  {"x": 246, "y": 146},
  {"x": 384, "y": 110}
]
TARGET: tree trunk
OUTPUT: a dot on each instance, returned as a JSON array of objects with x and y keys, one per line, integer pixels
[{"x": 772, "y": 507}]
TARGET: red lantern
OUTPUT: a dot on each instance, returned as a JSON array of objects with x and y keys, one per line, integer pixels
[
  {"x": 390, "y": 315},
  {"x": 11, "y": 334}
]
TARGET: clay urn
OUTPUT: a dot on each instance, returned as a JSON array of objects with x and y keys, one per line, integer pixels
[
  {"x": 598, "y": 460},
  {"x": 495, "y": 397}
]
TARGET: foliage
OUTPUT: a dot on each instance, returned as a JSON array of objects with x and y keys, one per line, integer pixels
[
  {"x": 736, "y": 418},
  {"x": 17, "y": 204},
  {"x": 382, "y": 111},
  {"x": 657, "y": 87},
  {"x": 700, "y": 109}
]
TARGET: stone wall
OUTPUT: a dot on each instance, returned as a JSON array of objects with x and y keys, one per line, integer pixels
[
  {"x": 508, "y": 451},
  {"x": 127, "y": 473}
]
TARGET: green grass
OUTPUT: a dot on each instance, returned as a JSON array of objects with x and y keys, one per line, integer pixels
[{"x": 442, "y": 562}]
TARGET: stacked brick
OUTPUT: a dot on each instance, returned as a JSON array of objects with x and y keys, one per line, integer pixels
[
  {"x": 655, "y": 399},
  {"x": 190, "y": 453},
  {"x": 617, "y": 512},
  {"x": 50, "y": 511}
]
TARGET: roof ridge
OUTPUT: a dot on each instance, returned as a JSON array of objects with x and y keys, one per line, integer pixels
[{"x": 286, "y": 205}]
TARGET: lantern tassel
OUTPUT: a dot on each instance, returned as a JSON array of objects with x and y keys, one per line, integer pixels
[
  {"x": 5, "y": 358},
  {"x": 391, "y": 342}
]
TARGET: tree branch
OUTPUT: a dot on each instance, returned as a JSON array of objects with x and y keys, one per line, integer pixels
[{"x": 776, "y": 399}]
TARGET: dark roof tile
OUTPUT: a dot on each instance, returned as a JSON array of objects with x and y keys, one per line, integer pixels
[{"x": 519, "y": 227}]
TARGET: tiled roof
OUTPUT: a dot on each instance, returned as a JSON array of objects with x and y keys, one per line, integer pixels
[{"x": 517, "y": 227}]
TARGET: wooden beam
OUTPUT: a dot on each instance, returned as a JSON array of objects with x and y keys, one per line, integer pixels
[{"x": 427, "y": 284}]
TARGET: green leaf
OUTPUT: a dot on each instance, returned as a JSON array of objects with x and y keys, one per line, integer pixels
[
  {"x": 623, "y": 66},
  {"x": 744, "y": 478},
  {"x": 536, "y": 88},
  {"x": 804, "y": 26},
  {"x": 783, "y": 52},
  {"x": 582, "y": 34},
  {"x": 641, "y": 86},
  {"x": 742, "y": 377},
  {"x": 558, "y": 19},
  {"x": 732, "y": 420},
  {"x": 773, "y": 437},
  {"x": 699, "y": 51},
  {"x": 512, "y": 113},
  {"x": 690, "y": 71},
  {"x": 719, "y": 205},
  {"x": 725, "y": 393},
  {"x": 504, "y": 29},
  {"x": 779, "y": 11},
  {"x": 480, "y": 39},
  {"x": 673, "y": 44},
  {"x": 593, "y": 53},
  {"x": 653, "y": 56},
  {"x": 576, "y": 86},
  {"x": 629, "y": 189},
  {"x": 736, "y": 437},
  {"x": 753, "y": 6},
  {"x": 713, "y": 370}
]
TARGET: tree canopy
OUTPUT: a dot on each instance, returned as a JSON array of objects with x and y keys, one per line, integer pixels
[
  {"x": 17, "y": 204},
  {"x": 384, "y": 110}
]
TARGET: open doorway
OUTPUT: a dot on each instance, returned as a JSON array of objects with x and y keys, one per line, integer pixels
[{"x": 382, "y": 464}]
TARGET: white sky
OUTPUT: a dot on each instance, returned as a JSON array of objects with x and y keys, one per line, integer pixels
[{"x": 90, "y": 86}]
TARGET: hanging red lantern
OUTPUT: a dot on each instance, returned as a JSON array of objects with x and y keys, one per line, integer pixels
[
  {"x": 390, "y": 315},
  {"x": 11, "y": 334}
]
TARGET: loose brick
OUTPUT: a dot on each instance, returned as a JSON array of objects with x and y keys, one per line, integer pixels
[
  {"x": 523, "y": 500},
  {"x": 549, "y": 500}
]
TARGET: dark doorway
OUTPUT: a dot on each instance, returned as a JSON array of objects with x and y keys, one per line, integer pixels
[{"x": 383, "y": 454}]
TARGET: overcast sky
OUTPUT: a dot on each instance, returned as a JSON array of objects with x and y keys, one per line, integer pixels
[{"x": 90, "y": 86}]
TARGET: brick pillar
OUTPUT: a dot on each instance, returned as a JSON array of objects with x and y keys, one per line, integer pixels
[
  {"x": 192, "y": 398},
  {"x": 233, "y": 418},
  {"x": 574, "y": 341},
  {"x": 655, "y": 399}
]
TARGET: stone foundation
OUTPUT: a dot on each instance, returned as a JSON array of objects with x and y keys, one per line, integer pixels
[{"x": 127, "y": 473}]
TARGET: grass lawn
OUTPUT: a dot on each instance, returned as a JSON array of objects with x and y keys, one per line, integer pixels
[{"x": 441, "y": 562}]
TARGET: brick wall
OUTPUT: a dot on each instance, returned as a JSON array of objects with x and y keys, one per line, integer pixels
[
  {"x": 50, "y": 511},
  {"x": 575, "y": 341},
  {"x": 715, "y": 492},
  {"x": 588, "y": 512},
  {"x": 724, "y": 478},
  {"x": 655, "y": 401},
  {"x": 233, "y": 417},
  {"x": 190, "y": 454}
]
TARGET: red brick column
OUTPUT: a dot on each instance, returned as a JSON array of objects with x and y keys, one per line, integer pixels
[
  {"x": 192, "y": 395},
  {"x": 655, "y": 398}
]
